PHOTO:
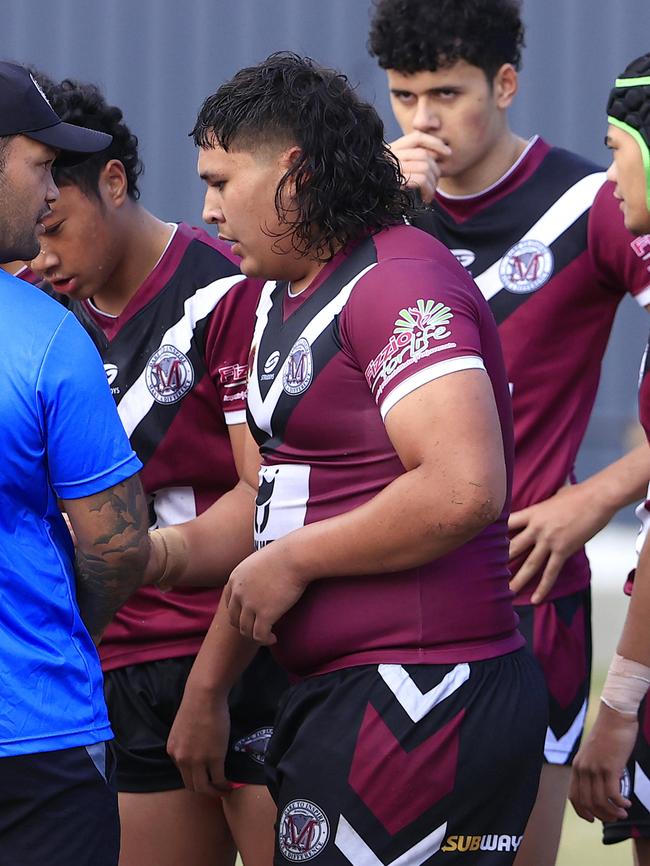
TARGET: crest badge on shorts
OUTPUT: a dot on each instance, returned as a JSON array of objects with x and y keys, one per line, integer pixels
[{"x": 303, "y": 831}]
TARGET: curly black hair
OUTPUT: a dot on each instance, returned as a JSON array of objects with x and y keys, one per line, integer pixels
[
  {"x": 426, "y": 35},
  {"x": 84, "y": 105},
  {"x": 346, "y": 180}
]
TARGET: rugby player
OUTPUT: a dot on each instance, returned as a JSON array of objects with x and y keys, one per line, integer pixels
[
  {"x": 379, "y": 402},
  {"x": 540, "y": 231},
  {"x": 601, "y": 785},
  {"x": 172, "y": 318}
]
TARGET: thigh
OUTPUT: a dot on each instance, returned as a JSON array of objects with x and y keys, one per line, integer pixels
[
  {"x": 59, "y": 808},
  {"x": 409, "y": 762},
  {"x": 169, "y": 828},
  {"x": 559, "y": 635},
  {"x": 636, "y": 783},
  {"x": 251, "y": 806}
]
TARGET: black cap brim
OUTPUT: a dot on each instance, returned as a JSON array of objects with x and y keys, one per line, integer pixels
[{"x": 76, "y": 143}]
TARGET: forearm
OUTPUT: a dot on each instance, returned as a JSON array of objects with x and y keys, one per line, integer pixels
[
  {"x": 224, "y": 656},
  {"x": 106, "y": 581},
  {"x": 203, "y": 551},
  {"x": 621, "y": 483},
  {"x": 415, "y": 519}
]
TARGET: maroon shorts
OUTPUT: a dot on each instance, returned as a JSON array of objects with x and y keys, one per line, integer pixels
[
  {"x": 413, "y": 763},
  {"x": 559, "y": 634}
]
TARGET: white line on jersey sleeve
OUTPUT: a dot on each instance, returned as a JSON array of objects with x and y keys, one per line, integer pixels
[
  {"x": 232, "y": 418},
  {"x": 557, "y": 219},
  {"x": 643, "y": 297},
  {"x": 435, "y": 371}
]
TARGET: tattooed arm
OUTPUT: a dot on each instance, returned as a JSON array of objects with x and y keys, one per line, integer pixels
[{"x": 113, "y": 549}]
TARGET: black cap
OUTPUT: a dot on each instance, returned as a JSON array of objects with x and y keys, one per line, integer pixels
[{"x": 25, "y": 110}]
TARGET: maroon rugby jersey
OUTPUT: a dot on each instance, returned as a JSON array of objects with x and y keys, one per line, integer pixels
[
  {"x": 643, "y": 510},
  {"x": 393, "y": 313},
  {"x": 176, "y": 361},
  {"x": 547, "y": 246}
]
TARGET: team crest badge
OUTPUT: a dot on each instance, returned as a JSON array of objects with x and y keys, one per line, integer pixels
[
  {"x": 298, "y": 370},
  {"x": 168, "y": 374},
  {"x": 303, "y": 831},
  {"x": 526, "y": 267},
  {"x": 255, "y": 745}
]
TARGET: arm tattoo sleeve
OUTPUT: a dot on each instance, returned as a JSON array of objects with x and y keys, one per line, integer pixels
[{"x": 111, "y": 568}]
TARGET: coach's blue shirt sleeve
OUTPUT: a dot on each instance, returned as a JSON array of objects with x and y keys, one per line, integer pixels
[{"x": 87, "y": 448}]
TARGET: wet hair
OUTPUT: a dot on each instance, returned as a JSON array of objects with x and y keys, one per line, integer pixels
[
  {"x": 84, "y": 105},
  {"x": 426, "y": 35},
  {"x": 346, "y": 181}
]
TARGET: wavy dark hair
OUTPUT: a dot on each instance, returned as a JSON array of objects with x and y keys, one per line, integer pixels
[
  {"x": 347, "y": 182},
  {"x": 425, "y": 35},
  {"x": 84, "y": 105}
]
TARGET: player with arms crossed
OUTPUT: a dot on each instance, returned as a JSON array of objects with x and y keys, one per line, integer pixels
[
  {"x": 541, "y": 233},
  {"x": 378, "y": 399},
  {"x": 173, "y": 319},
  {"x": 601, "y": 786}
]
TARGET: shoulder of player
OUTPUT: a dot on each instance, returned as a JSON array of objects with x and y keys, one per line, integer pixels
[
  {"x": 561, "y": 158},
  {"x": 409, "y": 260},
  {"x": 22, "y": 301},
  {"x": 199, "y": 236}
]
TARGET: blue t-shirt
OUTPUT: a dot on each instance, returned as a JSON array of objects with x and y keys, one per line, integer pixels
[{"x": 60, "y": 435}]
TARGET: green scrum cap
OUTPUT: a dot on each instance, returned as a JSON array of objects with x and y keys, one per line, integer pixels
[{"x": 628, "y": 108}]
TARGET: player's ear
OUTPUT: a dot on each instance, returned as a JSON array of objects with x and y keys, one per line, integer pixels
[
  {"x": 113, "y": 183},
  {"x": 505, "y": 85}
]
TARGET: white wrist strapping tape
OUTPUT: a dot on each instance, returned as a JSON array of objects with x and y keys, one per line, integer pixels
[
  {"x": 171, "y": 546},
  {"x": 626, "y": 685}
]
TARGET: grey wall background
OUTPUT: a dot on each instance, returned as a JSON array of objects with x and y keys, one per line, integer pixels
[{"x": 158, "y": 59}]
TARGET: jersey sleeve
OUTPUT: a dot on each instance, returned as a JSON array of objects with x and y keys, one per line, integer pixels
[
  {"x": 409, "y": 322},
  {"x": 621, "y": 259},
  {"x": 87, "y": 448},
  {"x": 227, "y": 346}
]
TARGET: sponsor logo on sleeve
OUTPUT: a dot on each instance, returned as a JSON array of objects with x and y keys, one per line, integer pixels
[
  {"x": 489, "y": 842},
  {"x": 298, "y": 370},
  {"x": 641, "y": 247},
  {"x": 419, "y": 333},
  {"x": 526, "y": 266},
  {"x": 169, "y": 374},
  {"x": 233, "y": 375},
  {"x": 303, "y": 831}
]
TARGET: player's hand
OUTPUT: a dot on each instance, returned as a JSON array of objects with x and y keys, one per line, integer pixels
[
  {"x": 260, "y": 590},
  {"x": 199, "y": 739},
  {"x": 551, "y": 531},
  {"x": 595, "y": 790},
  {"x": 419, "y": 155}
]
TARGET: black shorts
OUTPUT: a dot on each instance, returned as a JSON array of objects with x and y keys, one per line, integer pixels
[
  {"x": 143, "y": 700},
  {"x": 559, "y": 634},
  {"x": 413, "y": 763},
  {"x": 59, "y": 808},
  {"x": 636, "y": 786}
]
